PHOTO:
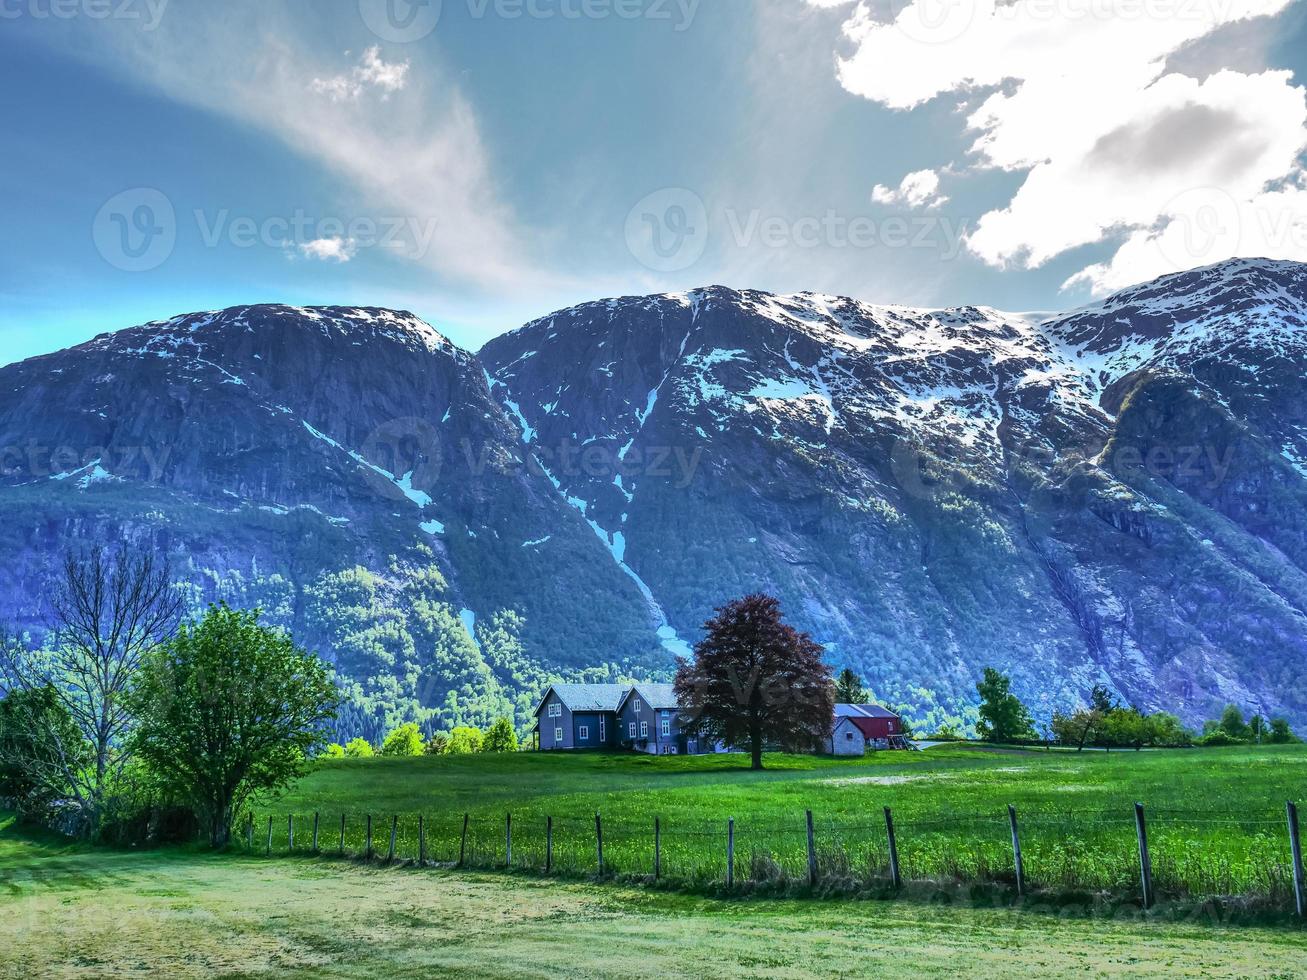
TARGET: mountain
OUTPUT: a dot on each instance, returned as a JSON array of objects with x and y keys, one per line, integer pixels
[
  {"x": 1115, "y": 495},
  {"x": 344, "y": 469}
]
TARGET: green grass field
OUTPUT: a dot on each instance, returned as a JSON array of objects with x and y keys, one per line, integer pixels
[
  {"x": 79, "y": 913},
  {"x": 1216, "y": 817}
]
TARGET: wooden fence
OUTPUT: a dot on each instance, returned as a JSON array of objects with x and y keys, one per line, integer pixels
[{"x": 817, "y": 852}]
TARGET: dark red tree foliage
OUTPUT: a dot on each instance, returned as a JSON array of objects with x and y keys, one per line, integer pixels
[{"x": 756, "y": 681}]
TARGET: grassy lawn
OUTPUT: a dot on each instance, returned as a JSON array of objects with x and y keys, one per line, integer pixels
[
  {"x": 71, "y": 912},
  {"x": 1216, "y": 816}
]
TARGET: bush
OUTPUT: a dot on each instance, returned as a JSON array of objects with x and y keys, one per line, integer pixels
[
  {"x": 438, "y": 744},
  {"x": 500, "y": 738},
  {"x": 334, "y": 751},
  {"x": 359, "y": 748},
  {"x": 464, "y": 740},
  {"x": 404, "y": 741},
  {"x": 1219, "y": 738}
]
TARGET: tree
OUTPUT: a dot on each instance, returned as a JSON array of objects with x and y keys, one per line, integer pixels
[
  {"x": 106, "y": 614},
  {"x": 359, "y": 748},
  {"x": 1281, "y": 733},
  {"x": 1232, "y": 723},
  {"x": 438, "y": 744},
  {"x": 229, "y": 708},
  {"x": 500, "y": 737},
  {"x": 1003, "y": 717},
  {"x": 33, "y": 771},
  {"x": 755, "y": 680},
  {"x": 464, "y": 740},
  {"x": 849, "y": 689},
  {"x": 334, "y": 751},
  {"x": 405, "y": 740}
]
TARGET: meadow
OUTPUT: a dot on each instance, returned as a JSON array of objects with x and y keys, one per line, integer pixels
[
  {"x": 74, "y": 912},
  {"x": 1216, "y": 817}
]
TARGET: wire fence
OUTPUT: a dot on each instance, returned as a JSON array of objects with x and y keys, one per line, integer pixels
[{"x": 1162, "y": 852}]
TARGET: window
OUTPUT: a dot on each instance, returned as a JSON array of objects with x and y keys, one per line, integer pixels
[
  {"x": 637, "y": 705},
  {"x": 584, "y": 733},
  {"x": 667, "y": 728},
  {"x": 849, "y": 736},
  {"x": 555, "y": 710},
  {"x": 667, "y": 714},
  {"x": 644, "y": 729},
  {"x": 673, "y": 750},
  {"x": 558, "y": 736},
  {"x": 632, "y": 727},
  {"x": 603, "y": 729}
]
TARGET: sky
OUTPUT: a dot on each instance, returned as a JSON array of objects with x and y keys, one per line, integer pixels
[{"x": 484, "y": 162}]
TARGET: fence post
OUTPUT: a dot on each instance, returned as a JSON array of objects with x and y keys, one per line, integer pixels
[
  {"x": 508, "y": 840},
  {"x": 269, "y": 835},
  {"x": 342, "y": 835},
  {"x": 812, "y": 855},
  {"x": 1016, "y": 850},
  {"x": 1295, "y": 845},
  {"x": 290, "y": 832},
  {"x": 730, "y": 853},
  {"x": 895, "y": 874},
  {"x": 422, "y": 841},
  {"x": 394, "y": 832},
  {"x": 658, "y": 848},
  {"x": 599, "y": 842},
  {"x": 549, "y": 844},
  {"x": 1145, "y": 861},
  {"x": 316, "y": 815},
  {"x": 367, "y": 849},
  {"x": 462, "y": 844}
]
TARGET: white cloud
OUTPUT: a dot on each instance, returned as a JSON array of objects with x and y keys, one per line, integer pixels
[
  {"x": 1115, "y": 146},
  {"x": 329, "y": 249},
  {"x": 419, "y": 159},
  {"x": 919, "y": 189},
  {"x": 371, "y": 72}
]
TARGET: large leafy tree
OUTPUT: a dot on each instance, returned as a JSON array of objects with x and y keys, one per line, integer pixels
[
  {"x": 1002, "y": 715},
  {"x": 229, "y": 708},
  {"x": 34, "y": 766},
  {"x": 755, "y": 680},
  {"x": 107, "y": 612}
]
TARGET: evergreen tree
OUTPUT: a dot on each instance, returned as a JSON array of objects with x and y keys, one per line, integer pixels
[
  {"x": 849, "y": 689},
  {"x": 500, "y": 737}
]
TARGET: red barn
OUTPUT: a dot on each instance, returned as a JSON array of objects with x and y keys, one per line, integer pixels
[{"x": 859, "y": 727}]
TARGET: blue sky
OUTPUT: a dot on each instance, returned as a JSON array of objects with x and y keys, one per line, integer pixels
[{"x": 509, "y": 157}]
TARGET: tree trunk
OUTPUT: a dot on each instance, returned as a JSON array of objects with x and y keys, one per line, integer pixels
[
  {"x": 220, "y": 826},
  {"x": 755, "y": 739}
]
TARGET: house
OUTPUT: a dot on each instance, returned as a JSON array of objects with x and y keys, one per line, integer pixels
[
  {"x": 648, "y": 720},
  {"x": 579, "y": 716},
  {"x": 643, "y": 717},
  {"x": 859, "y": 727}
]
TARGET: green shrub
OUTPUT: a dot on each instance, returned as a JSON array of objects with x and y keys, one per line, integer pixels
[
  {"x": 464, "y": 740},
  {"x": 405, "y": 740},
  {"x": 500, "y": 738},
  {"x": 359, "y": 748},
  {"x": 334, "y": 751}
]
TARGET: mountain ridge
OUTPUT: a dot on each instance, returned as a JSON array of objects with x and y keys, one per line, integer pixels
[{"x": 929, "y": 491}]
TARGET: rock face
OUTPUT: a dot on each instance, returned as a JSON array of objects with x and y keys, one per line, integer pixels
[
  {"x": 1113, "y": 496},
  {"x": 344, "y": 469}
]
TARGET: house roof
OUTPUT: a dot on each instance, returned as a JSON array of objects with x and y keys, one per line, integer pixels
[
  {"x": 657, "y": 696},
  {"x": 587, "y": 697},
  {"x": 863, "y": 711}
]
